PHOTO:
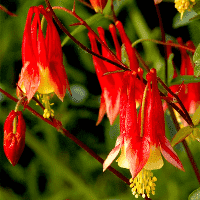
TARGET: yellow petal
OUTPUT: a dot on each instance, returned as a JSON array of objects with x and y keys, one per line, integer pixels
[
  {"x": 45, "y": 86},
  {"x": 155, "y": 160},
  {"x": 122, "y": 161}
]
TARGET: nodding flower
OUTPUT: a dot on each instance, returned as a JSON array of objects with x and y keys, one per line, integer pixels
[
  {"x": 142, "y": 137},
  {"x": 43, "y": 70},
  {"x": 111, "y": 83}
]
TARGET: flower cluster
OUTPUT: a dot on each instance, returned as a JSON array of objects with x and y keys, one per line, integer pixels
[
  {"x": 127, "y": 92},
  {"x": 142, "y": 137},
  {"x": 43, "y": 71}
]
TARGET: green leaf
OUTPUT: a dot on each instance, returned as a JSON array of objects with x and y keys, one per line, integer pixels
[
  {"x": 196, "y": 133},
  {"x": 196, "y": 116},
  {"x": 196, "y": 59},
  {"x": 186, "y": 78},
  {"x": 195, "y": 195},
  {"x": 181, "y": 135},
  {"x": 196, "y": 7},
  {"x": 188, "y": 16},
  {"x": 197, "y": 70},
  {"x": 170, "y": 68}
]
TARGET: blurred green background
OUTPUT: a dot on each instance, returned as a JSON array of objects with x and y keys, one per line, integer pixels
[{"x": 52, "y": 167}]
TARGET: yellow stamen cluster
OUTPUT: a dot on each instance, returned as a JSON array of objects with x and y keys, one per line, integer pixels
[
  {"x": 182, "y": 5},
  {"x": 143, "y": 184},
  {"x": 48, "y": 112}
]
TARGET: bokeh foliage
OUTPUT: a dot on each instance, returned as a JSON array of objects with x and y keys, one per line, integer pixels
[{"x": 52, "y": 167}]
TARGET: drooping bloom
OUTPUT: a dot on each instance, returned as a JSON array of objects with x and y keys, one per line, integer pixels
[
  {"x": 98, "y": 5},
  {"x": 142, "y": 137},
  {"x": 14, "y": 137},
  {"x": 183, "y": 5},
  {"x": 111, "y": 84},
  {"x": 43, "y": 69},
  {"x": 188, "y": 93}
]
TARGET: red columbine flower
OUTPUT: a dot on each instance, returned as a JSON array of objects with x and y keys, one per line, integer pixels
[
  {"x": 14, "y": 137},
  {"x": 142, "y": 139},
  {"x": 111, "y": 84},
  {"x": 98, "y": 5},
  {"x": 188, "y": 93},
  {"x": 43, "y": 69}
]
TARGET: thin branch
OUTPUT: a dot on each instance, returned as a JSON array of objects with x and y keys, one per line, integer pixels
[
  {"x": 189, "y": 153},
  {"x": 113, "y": 12},
  {"x": 192, "y": 161},
  {"x": 121, "y": 65},
  {"x": 93, "y": 154},
  {"x": 163, "y": 40},
  {"x": 162, "y": 43},
  {"x": 187, "y": 116},
  {"x": 7, "y": 11},
  {"x": 58, "y": 125}
]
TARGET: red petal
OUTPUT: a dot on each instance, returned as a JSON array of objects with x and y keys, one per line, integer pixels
[
  {"x": 102, "y": 110},
  {"x": 129, "y": 49},
  {"x": 107, "y": 83},
  {"x": 113, "y": 154},
  {"x": 30, "y": 79},
  {"x": 169, "y": 154}
]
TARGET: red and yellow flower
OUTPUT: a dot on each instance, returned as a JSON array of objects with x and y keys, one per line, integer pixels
[
  {"x": 142, "y": 137},
  {"x": 111, "y": 84},
  {"x": 43, "y": 68}
]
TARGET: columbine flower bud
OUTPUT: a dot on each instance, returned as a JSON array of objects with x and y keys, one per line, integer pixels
[
  {"x": 14, "y": 136},
  {"x": 98, "y": 5}
]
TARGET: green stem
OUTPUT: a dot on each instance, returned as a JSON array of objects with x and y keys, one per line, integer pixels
[{"x": 15, "y": 119}]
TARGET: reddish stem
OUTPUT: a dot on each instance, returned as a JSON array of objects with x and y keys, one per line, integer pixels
[
  {"x": 82, "y": 22},
  {"x": 7, "y": 11},
  {"x": 192, "y": 161},
  {"x": 189, "y": 153},
  {"x": 113, "y": 12},
  {"x": 163, "y": 40},
  {"x": 93, "y": 154},
  {"x": 58, "y": 125}
]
